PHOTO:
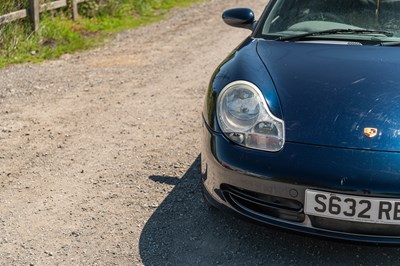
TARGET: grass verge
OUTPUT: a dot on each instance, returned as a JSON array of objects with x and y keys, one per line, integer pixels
[{"x": 58, "y": 35}]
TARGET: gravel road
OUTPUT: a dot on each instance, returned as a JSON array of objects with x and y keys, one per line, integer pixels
[{"x": 99, "y": 158}]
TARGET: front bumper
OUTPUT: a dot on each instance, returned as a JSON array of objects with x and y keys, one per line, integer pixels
[{"x": 270, "y": 187}]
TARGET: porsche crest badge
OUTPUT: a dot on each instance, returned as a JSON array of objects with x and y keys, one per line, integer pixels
[{"x": 370, "y": 132}]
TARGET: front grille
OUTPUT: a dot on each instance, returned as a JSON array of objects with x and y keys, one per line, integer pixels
[{"x": 262, "y": 205}]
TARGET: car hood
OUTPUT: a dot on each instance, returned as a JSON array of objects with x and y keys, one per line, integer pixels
[{"x": 330, "y": 94}]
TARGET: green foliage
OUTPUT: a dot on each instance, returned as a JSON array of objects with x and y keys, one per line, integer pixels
[
  {"x": 58, "y": 34},
  {"x": 118, "y": 8},
  {"x": 89, "y": 8},
  {"x": 12, "y": 5}
]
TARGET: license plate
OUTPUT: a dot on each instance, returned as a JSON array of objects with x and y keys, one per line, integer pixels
[{"x": 352, "y": 208}]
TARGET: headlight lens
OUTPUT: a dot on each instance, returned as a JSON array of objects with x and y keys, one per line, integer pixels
[{"x": 245, "y": 118}]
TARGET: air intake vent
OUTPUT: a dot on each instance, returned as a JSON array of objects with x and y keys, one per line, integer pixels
[{"x": 261, "y": 205}]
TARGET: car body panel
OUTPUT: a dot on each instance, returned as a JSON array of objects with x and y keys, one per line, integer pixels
[{"x": 330, "y": 93}]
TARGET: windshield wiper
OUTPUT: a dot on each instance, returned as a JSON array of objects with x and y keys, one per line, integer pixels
[{"x": 331, "y": 32}]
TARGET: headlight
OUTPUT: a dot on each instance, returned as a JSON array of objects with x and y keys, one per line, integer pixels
[{"x": 245, "y": 118}]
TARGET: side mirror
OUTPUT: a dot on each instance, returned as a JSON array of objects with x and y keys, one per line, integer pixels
[{"x": 240, "y": 18}]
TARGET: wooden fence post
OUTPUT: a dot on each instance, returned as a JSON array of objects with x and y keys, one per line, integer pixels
[
  {"x": 34, "y": 13},
  {"x": 75, "y": 13}
]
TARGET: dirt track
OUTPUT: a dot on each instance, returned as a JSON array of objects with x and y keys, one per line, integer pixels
[{"x": 99, "y": 158}]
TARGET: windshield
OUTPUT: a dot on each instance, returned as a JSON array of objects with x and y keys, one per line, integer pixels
[{"x": 294, "y": 17}]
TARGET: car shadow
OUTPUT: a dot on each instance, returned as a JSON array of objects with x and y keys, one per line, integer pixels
[{"x": 183, "y": 230}]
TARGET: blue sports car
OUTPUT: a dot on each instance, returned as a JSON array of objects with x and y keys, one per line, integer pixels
[{"x": 301, "y": 122}]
